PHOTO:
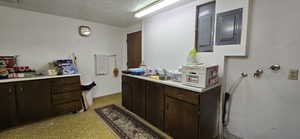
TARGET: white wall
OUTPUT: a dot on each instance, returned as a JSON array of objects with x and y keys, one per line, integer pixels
[
  {"x": 163, "y": 37},
  {"x": 40, "y": 38},
  {"x": 168, "y": 37},
  {"x": 268, "y": 108},
  {"x": 134, "y": 28},
  {"x": 265, "y": 108}
]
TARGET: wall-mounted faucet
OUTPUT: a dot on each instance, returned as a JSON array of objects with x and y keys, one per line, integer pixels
[
  {"x": 259, "y": 72},
  {"x": 275, "y": 67},
  {"x": 244, "y": 74}
]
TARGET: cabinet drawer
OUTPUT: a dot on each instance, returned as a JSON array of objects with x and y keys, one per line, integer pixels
[
  {"x": 65, "y": 81},
  {"x": 67, "y": 107},
  {"x": 66, "y": 88},
  {"x": 184, "y": 95},
  {"x": 66, "y": 97}
]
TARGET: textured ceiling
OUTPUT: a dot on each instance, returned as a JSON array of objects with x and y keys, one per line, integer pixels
[{"x": 113, "y": 12}]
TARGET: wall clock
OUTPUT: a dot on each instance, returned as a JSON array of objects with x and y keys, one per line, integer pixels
[{"x": 85, "y": 31}]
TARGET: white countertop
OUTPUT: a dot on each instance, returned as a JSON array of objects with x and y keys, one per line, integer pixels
[
  {"x": 173, "y": 84},
  {"x": 36, "y": 78}
]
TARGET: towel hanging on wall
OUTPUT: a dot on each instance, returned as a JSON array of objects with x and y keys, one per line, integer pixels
[{"x": 101, "y": 64}]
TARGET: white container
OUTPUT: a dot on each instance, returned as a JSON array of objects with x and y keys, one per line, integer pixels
[
  {"x": 176, "y": 76},
  {"x": 202, "y": 76},
  {"x": 89, "y": 96},
  {"x": 86, "y": 80}
]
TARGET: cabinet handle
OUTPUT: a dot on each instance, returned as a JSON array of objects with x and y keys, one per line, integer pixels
[
  {"x": 21, "y": 89},
  {"x": 9, "y": 90}
]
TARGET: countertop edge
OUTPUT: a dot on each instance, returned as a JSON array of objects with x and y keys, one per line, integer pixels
[
  {"x": 173, "y": 84},
  {"x": 36, "y": 78}
]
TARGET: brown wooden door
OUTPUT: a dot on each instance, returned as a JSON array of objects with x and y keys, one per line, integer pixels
[
  {"x": 134, "y": 49},
  {"x": 155, "y": 104},
  {"x": 7, "y": 105},
  {"x": 34, "y": 100},
  {"x": 181, "y": 119},
  {"x": 139, "y": 97}
]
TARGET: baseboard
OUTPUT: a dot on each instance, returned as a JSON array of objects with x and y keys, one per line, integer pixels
[{"x": 108, "y": 95}]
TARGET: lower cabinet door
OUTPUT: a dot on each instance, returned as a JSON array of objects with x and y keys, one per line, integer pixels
[
  {"x": 7, "y": 106},
  {"x": 155, "y": 104},
  {"x": 127, "y": 93},
  {"x": 34, "y": 100},
  {"x": 139, "y": 97},
  {"x": 181, "y": 119}
]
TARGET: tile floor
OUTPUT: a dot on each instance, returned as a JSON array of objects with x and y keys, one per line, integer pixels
[{"x": 85, "y": 125}]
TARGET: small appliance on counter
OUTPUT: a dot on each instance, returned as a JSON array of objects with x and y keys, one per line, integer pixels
[{"x": 201, "y": 76}]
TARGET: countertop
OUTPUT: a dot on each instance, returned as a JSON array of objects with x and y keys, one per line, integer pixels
[
  {"x": 173, "y": 84},
  {"x": 36, "y": 78}
]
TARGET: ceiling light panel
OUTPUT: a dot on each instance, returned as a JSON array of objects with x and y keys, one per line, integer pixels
[{"x": 154, "y": 8}]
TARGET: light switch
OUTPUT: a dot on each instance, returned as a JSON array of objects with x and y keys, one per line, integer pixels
[{"x": 293, "y": 74}]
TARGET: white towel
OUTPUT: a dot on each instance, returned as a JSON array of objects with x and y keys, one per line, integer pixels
[{"x": 101, "y": 63}]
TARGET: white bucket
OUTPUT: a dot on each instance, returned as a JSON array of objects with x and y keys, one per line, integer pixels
[
  {"x": 86, "y": 80},
  {"x": 89, "y": 96}
]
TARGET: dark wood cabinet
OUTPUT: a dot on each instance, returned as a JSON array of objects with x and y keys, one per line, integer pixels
[
  {"x": 127, "y": 91},
  {"x": 8, "y": 116},
  {"x": 209, "y": 104},
  {"x": 155, "y": 104},
  {"x": 139, "y": 97},
  {"x": 66, "y": 95},
  {"x": 181, "y": 119},
  {"x": 134, "y": 95},
  {"x": 28, "y": 101},
  {"x": 34, "y": 100},
  {"x": 145, "y": 99},
  {"x": 181, "y": 113}
]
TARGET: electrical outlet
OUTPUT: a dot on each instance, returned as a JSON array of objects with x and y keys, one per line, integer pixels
[{"x": 293, "y": 74}]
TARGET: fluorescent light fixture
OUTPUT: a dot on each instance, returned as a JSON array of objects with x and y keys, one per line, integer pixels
[{"x": 154, "y": 8}]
